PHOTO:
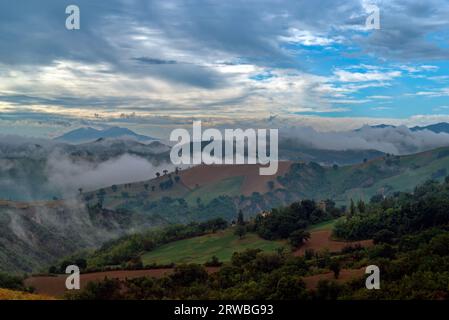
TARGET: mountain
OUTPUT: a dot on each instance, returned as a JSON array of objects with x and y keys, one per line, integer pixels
[
  {"x": 437, "y": 127},
  {"x": 32, "y": 235},
  {"x": 378, "y": 126},
  {"x": 27, "y": 170},
  {"x": 90, "y": 134},
  {"x": 442, "y": 127}
]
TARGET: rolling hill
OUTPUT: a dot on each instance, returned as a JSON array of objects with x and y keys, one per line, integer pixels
[
  {"x": 35, "y": 234},
  {"x": 203, "y": 192},
  {"x": 201, "y": 249}
]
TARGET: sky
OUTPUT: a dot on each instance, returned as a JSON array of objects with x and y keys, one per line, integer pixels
[{"x": 154, "y": 65}]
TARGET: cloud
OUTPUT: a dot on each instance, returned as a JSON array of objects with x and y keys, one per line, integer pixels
[
  {"x": 307, "y": 38},
  {"x": 147, "y": 60},
  {"x": 346, "y": 76},
  {"x": 399, "y": 140},
  {"x": 68, "y": 176},
  {"x": 203, "y": 58}
]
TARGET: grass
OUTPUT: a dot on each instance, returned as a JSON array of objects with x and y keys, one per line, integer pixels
[
  {"x": 201, "y": 249},
  {"x": 227, "y": 187},
  {"x": 6, "y": 294},
  {"x": 326, "y": 225}
]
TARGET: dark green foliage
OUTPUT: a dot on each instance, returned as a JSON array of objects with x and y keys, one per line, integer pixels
[
  {"x": 240, "y": 218},
  {"x": 282, "y": 222},
  {"x": 240, "y": 231},
  {"x": 383, "y": 236},
  {"x": 298, "y": 237},
  {"x": 186, "y": 275},
  {"x": 401, "y": 213},
  {"x": 213, "y": 262},
  {"x": 11, "y": 282}
]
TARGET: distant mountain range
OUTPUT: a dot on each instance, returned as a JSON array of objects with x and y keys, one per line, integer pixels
[
  {"x": 89, "y": 134},
  {"x": 437, "y": 127},
  {"x": 442, "y": 127}
]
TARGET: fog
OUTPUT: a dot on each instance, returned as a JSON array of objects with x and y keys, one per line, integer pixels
[
  {"x": 399, "y": 140},
  {"x": 67, "y": 175}
]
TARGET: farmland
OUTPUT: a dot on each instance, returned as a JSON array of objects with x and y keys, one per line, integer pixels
[{"x": 201, "y": 249}]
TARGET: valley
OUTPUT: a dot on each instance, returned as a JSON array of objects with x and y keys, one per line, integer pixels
[{"x": 31, "y": 229}]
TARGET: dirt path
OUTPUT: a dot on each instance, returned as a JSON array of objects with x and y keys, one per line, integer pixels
[
  {"x": 345, "y": 276},
  {"x": 321, "y": 240}
]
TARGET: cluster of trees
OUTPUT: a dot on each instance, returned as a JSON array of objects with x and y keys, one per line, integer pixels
[
  {"x": 399, "y": 214},
  {"x": 12, "y": 282},
  {"x": 292, "y": 221},
  {"x": 249, "y": 275}
]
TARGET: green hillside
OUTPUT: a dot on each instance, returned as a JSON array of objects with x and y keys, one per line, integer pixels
[
  {"x": 227, "y": 187},
  {"x": 169, "y": 198},
  {"x": 201, "y": 249}
]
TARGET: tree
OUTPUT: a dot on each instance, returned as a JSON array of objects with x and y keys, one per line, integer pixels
[
  {"x": 240, "y": 218},
  {"x": 352, "y": 209},
  {"x": 361, "y": 206},
  {"x": 158, "y": 174},
  {"x": 114, "y": 188},
  {"x": 383, "y": 236},
  {"x": 335, "y": 268},
  {"x": 298, "y": 237},
  {"x": 165, "y": 171},
  {"x": 270, "y": 185},
  {"x": 213, "y": 262},
  {"x": 185, "y": 275},
  {"x": 240, "y": 231},
  {"x": 80, "y": 190}
]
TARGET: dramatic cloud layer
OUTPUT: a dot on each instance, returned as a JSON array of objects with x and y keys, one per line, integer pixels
[{"x": 225, "y": 59}]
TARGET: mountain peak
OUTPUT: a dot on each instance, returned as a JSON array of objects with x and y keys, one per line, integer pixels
[{"x": 89, "y": 134}]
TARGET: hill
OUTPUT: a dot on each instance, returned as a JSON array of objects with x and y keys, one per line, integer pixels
[
  {"x": 201, "y": 249},
  {"x": 89, "y": 134},
  {"x": 34, "y": 235},
  {"x": 30, "y": 231},
  {"x": 205, "y": 192}
]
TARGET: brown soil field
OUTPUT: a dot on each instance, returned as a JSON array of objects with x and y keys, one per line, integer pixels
[
  {"x": 345, "y": 275},
  {"x": 253, "y": 182},
  {"x": 321, "y": 240},
  {"x": 54, "y": 286}
]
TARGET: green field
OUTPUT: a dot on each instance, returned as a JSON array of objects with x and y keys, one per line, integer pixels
[
  {"x": 200, "y": 249},
  {"x": 326, "y": 225},
  {"x": 227, "y": 187}
]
